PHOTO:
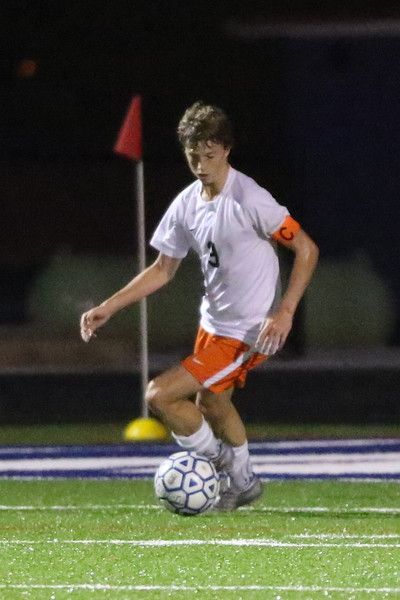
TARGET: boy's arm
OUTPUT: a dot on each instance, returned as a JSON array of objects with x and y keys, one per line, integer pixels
[
  {"x": 145, "y": 283},
  {"x": 277, "y": 327}
]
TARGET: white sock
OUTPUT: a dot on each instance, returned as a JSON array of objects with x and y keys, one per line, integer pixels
[
  {"x": 241, "y": 471},
  {"x": 234, "y": 459},
  {"x": 202, "y": 441}
]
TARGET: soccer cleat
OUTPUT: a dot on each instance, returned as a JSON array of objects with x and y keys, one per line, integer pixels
[{"x": 234, "y": 497}]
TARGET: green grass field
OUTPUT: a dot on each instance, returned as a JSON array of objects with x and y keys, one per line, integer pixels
[
  {"x": 112, "y": 433},
  {"x": 109, "y": 539}
]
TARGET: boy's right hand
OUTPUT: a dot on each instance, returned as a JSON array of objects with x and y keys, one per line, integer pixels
[{"x": 92, "y": 320}]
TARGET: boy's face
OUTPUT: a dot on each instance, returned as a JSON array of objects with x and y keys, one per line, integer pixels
[{"x": 208, "y": 161}]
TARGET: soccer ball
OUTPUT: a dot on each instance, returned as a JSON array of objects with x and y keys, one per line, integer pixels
[{"x": 187, "y": 483}]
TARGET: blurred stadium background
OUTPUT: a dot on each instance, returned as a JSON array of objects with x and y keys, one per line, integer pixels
[{"x": 313, "y": 92}]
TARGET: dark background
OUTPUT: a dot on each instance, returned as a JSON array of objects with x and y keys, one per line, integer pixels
[{"x": 316, "y": 120}]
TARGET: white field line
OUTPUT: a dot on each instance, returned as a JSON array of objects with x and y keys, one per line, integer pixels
[
  {"x": 212, "y": 588},
  {"x": 324, "y": 443},
  {"x": 328, "y": 464},
  {"x": 343, "y": 536},
  {"x": 323, "y": 509},
  {"x": 74, "y": 463},
  {"x": 158, "y": 507},
  {"x": 270, "y": 543},
  {"x": 340, "y": 463},
  {"x": 324, "y": 457}
]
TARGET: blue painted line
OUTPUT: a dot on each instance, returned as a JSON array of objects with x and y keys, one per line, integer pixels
[
  {"x": 32, "y": 452},
  {"x": 151, "y": 450},
  {"x": 298, "y": 456},
  {"x": 75, "y": 474}
]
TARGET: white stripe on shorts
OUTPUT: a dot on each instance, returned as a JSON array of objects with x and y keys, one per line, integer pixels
[{"x": 229, "y": 369}]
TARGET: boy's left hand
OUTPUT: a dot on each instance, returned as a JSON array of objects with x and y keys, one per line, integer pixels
[{"x": 274, "y": 332}]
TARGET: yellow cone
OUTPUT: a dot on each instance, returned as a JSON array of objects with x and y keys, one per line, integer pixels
[{"x": 145, "y": 430}]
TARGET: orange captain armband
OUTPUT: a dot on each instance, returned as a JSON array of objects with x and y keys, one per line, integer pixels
[{"x": 287, "y": 230}]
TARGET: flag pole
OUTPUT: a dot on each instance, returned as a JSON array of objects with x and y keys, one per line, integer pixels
[
  {"x": 144, "y": 346},
  {"x": 129, "y": 144}
]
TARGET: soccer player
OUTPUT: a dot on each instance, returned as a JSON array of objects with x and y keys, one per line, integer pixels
[{"x": 233, "y": 225}]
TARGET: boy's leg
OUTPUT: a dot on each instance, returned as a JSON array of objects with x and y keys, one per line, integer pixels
[
  {"x": 222, "y": 415},
  {"x": 234, "y": 456},
  {"x": 168, "y": 397},
  {"x": 210, "y": 437},
  {"x": 231, "y": 453},
  {"x": 227, "y": 425}
]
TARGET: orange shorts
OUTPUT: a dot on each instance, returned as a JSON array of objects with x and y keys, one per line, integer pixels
[{"x": 221, "y": 362}]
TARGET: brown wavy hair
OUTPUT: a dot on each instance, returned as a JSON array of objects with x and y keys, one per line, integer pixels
[{"x": 205, "y": 123}]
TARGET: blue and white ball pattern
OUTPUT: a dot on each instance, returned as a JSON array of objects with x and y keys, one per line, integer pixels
[{"x": 187, "y": 483}]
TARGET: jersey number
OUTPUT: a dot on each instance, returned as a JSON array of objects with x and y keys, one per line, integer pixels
[{"x": 213, "y": 261}]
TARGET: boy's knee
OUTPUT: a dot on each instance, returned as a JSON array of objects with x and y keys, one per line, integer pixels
[{"x": 156, "y": 398}]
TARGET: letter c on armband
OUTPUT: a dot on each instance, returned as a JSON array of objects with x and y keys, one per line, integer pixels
[{"x": 289, "y": 237}]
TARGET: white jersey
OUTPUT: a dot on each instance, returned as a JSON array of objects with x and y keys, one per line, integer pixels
[{"x": 232, "y": 236}]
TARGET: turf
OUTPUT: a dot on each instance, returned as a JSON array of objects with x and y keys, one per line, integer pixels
[
  {"x": 108, "y": 433},
  {"x": 310, "y": 539}
]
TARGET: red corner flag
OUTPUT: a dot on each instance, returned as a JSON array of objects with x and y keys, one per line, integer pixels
[{"x": 129, "y": 141}]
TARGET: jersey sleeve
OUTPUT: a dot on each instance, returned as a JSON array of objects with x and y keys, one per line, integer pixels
[
  {"x": 266, "y": 214},
  {"x": 170, "y": 237}
]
